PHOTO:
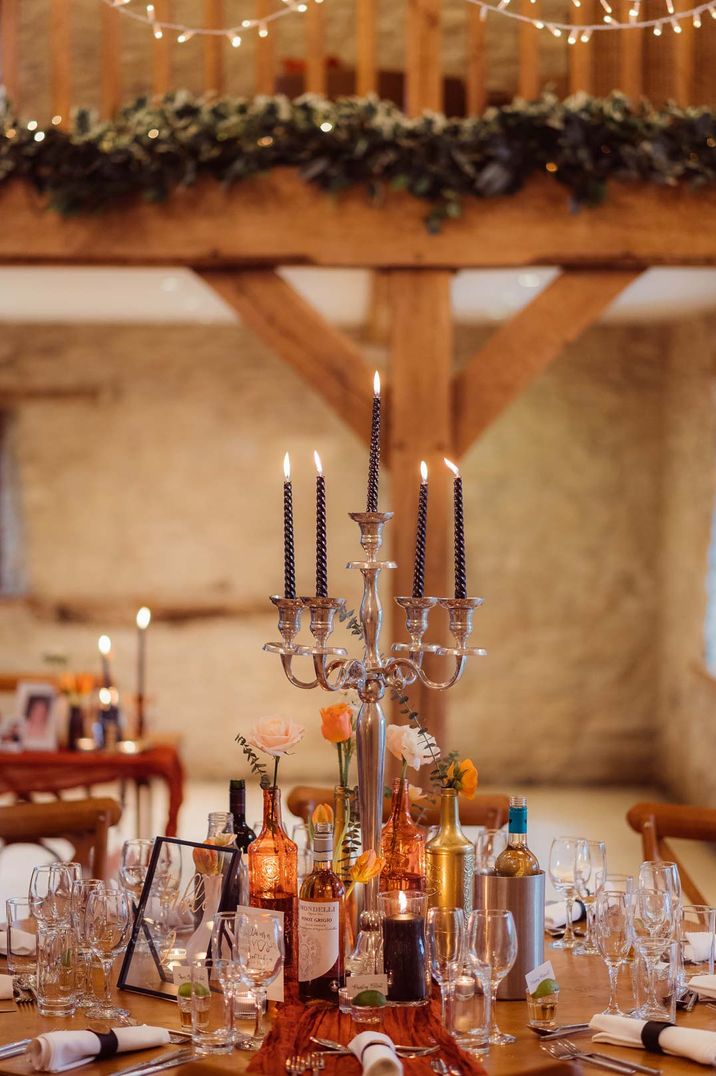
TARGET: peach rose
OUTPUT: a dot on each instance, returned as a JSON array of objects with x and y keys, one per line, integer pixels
[
  {"x": 337, "y": 723},
  {"x": 409, "y": 745},
  {"x": 322, "y": 815},
  {"x": 275, "y": 735}
]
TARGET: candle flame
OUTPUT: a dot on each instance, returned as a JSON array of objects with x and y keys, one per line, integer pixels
[
  {"x": 144, "y": 617},
  {"x": 376, "y": 384},
  {"x": 104, "y": 645},
  {"x": 423, "y": 471},
  {"x": 105, "y": 696},
  {"x": 453, "y": 466},
  {"x": 287, "y": 467},
  {"x": 402, "y": 901},
  {"x": 317, "y": 461}
]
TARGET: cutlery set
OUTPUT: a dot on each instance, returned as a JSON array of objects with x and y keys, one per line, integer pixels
[{"x": 564, "y": 1050}]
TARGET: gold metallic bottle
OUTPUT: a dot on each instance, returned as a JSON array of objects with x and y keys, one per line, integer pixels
[{"x": 450, "y": 859}]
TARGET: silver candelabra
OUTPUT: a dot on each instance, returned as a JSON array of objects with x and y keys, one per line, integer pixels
[{"x": 335, "y": 670}]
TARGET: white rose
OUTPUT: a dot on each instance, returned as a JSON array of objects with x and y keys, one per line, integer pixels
[{"x": 410, "y": 745}]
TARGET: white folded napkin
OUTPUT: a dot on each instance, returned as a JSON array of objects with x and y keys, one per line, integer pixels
[
  {"x": 704, "y": 985},
  {"x": 376, "y": 1053},
  {"x": 57, "y": 1051},
  {"x": 690, "y": 1042},
  {"x": 6, "y": 990},
  {"x": 555, "y": 913},
  {"x": 697, "y": 946},
  {"x": 23, "y": 943}
]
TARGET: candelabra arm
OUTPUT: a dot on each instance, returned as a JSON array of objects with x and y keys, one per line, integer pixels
[
  {"x": 351, "y": 673},
  {"x": 443, "y": 685},
  {"x": 286, "y": 660}
]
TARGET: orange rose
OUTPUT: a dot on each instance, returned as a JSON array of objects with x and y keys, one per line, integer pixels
[
  {"x": 208, "y": 862},
  {"x": 463, "y": 777},
  {"x": 366, "y": 867},
  {"x": 337, "y": 723},
  {"x": 322, "y": 815}
]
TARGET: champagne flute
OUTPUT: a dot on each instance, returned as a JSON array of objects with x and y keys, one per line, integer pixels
[
  {"x": 223, "y": 936},
  {"x": 493, "y": 941},
  {"x": 260, "y": 952},
  {"x": 587, "y": 889},
  {"x": 653, "y": 930},
  {"x": 108, "y": 922},
  {"x": 445, "y": 932},
  {"x": 614, "y": 934},
  {"x": 79, "y": 896},
  {"x": 568, "y": 866}
]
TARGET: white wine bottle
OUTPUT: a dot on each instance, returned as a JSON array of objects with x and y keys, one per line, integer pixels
[{"x": 517, "y": 861}]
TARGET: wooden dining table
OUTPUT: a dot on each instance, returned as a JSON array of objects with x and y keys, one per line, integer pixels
[{"x": 583, "y": 992}]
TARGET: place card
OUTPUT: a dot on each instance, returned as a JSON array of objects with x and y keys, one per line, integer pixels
[
  {"x": 262, "y": 945},
  {"x": 538, "y": 975},
  {"x": 357, "y": 983}
]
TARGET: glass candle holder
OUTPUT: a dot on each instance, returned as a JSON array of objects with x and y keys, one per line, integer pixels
[{"x": 404, "y": 953}]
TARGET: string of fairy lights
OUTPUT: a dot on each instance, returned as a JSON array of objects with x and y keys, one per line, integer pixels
[
  {"x": 573, "y": 32},
  {"x": 182, "y": 33}
]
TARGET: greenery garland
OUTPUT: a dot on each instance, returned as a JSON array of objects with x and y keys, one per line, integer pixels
[{"x": 154, "y": 146}]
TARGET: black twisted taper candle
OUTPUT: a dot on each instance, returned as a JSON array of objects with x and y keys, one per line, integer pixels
[
  {"x": 460, "y": 572},
  {"x": 321, "y": 557},
  {"x": 374, "y": 463},
  {"x": 420, "y": 534},
  {"x": 289, "y": 560}
]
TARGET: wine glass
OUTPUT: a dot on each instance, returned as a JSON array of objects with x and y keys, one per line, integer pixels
[
  {"x": 587, "y": 889},
  {"x": 568, "y": 866},
  {"x": 108, "y": 922},
  {"x": 614, "y": 935},
  {"x": 134, "y": 865},
  {"x": 488, "y": 845},
  {"x": 79, "y": 896},
  {"x": 49, "y": 893},
  {"x": 260, "y": 952},
  {"x": 492, "y": 940},
  {"x": 658, "y": 874},
  {"x": 445, "y": 933}
]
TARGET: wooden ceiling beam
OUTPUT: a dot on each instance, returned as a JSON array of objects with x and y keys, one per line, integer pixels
[
  {"x": 327, "y": 360},
  {"x": 12, "y": 395},
  {"x": 526, "y": 344}
]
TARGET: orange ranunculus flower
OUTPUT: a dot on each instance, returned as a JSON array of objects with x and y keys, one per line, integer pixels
[
  {"x": 337, "y": 723},
  {"x": 463, "y": 777},
  {"x": 322, "y": 815},
  {"x": 366, "y": 867}
]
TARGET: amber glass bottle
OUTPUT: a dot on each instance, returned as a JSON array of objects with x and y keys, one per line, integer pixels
[
  {"x": 402, "y": 845},
  {"x": 321, "y": 923},
  {"x": 273, "y": 870}
]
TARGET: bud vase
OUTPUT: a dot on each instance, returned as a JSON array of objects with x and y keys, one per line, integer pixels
[
  {"x": 402, "y": 845},
  {"x": 450, "y": 859},
  {"x": 273, "y": 870}
]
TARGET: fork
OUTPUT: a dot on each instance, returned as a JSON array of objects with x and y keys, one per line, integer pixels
[
  {"x": 295, "y": 1064},
  {"x": 317, "y": 1062},
  {"x": 567, "y": 1051}
]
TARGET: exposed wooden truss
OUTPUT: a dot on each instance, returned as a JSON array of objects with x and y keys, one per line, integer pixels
[{"x": 278, "y": 219}]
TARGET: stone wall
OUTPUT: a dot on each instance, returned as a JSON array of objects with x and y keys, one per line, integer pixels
[{"x": 168, "y": 489}]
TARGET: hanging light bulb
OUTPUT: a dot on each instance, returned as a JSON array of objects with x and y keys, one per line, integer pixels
[{"x": 657, "y": 30}]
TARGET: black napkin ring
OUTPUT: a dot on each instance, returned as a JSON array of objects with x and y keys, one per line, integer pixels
[
  {"x": 376, "y": 1042},
  {"x": 108, "y": 1044},
  {"x": 650, "y": 1034}
]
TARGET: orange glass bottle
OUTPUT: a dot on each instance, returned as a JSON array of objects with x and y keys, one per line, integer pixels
[
  {"x": 402, "y": 845},
  {"x": 273, "y": 870}
]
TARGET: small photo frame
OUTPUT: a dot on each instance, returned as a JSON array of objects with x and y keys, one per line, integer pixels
[
  {"x": 184, "y": 889},
  {"x": 37, "y": 717}
]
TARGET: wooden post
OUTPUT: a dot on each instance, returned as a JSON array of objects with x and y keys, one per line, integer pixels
[
  {"x": 476, "y": 61},
  {"x": 60, "y": 59},
  {"x": 366, "y": 65},
  {"x": 9, "y": 15},
  {"x": 423, "y": 65},
  {"x": 213, "y": 45},
  {"x": 420, "y": 417},
  {"x": 315, "y": 48},
  {"x": 162, "y": 60},
  {"x": 581, "y": 67},
  {"x": 528, "y": 81},
  {"x": 265, "y": 53},
  {"x": 110, "y": 84},
  {"x": 631, "y": 63}
]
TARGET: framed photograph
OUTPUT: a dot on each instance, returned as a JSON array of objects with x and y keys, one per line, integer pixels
[
  {"x": 183, "y": 891},
  {"x": 37, "y": 718}
]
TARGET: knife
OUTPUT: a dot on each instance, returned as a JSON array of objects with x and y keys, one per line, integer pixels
[
  {"x": 625, "y": 1061},
  {"x": 177, "y": 1057}
]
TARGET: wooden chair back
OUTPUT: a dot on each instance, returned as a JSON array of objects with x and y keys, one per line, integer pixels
[
  {"x": 657, "y": 821},
  {"x": 488, "y": 810},
  {"x": 84, "y": 823}
]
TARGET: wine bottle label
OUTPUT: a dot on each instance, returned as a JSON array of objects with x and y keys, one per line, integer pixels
[{"x": 318, "y": 938}]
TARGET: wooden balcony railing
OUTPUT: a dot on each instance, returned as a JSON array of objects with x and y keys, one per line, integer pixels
[{"x": 441, "y": 54}]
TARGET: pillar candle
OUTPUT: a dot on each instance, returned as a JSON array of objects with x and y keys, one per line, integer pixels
[
  {"x": 144, "y": 616},
  {"x": 374, "y": 463},
  {"x": 289, "y": 564},
  {"x": 460, "y": 573},
  {"x": 321, "y": 558},
  {"x": 420, "y": 534},
  {"x": 104, "y": 645}
]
